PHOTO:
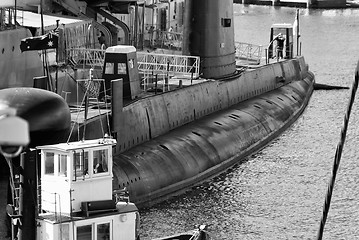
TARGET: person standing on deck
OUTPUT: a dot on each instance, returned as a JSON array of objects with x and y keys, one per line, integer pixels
[{"x": 280, "y": 45}]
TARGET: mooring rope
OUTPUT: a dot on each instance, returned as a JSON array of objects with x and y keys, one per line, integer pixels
[{"x": 338, "y": 155}]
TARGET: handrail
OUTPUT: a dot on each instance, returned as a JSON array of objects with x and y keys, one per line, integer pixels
[
  {"x": 86, "y": 57},
  {"x": 186, "y": 66},
  {"x": 248, "y": 52},
  {"x": 166, "y": 65},
  {"x": 168, "y": 39}
]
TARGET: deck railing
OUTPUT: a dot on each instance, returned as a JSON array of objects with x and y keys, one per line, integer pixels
[
  {"x": 166, "y": 39},
  {"x": 248, "y": 52},
  {"x": 150, "y": 65},
  {"x": 86, "y": 57},
  {"x": 159, "y": 68},
  {"x": 186, "y": 66}
]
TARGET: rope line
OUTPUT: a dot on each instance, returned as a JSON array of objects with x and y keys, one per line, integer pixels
[{"x": 338, "y": 155}]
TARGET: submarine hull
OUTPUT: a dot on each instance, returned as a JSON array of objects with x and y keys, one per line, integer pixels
[{"x": 187, "y": 155}]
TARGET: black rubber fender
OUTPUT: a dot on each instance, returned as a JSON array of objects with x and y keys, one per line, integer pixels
[{"x": 46, "y": 112}]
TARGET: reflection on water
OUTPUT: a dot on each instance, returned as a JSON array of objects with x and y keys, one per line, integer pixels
[{"x": 279, "y": 192}]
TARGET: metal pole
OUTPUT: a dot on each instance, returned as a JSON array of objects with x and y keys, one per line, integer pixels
[
  {"x": 57, "y": 59},
  {"x": 21, "y": 193},
  {"x": 15, "y": 14},
  {"x": 297, "y": 18},
  {"x": 143, "y": 25},
  {"x": 338, "y": 155}
]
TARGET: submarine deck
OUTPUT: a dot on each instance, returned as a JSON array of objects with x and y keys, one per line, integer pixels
[{"x": 97, "y": 107}]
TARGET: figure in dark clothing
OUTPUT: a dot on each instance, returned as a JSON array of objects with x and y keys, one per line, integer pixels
[
  {"x": 102, "y": 41},
  {"x": 98, "y": 168},
  {"x": 280, "y": 45}
]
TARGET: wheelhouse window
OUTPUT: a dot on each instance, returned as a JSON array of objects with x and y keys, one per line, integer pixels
[
  {"x": 94, "y": 231},
  {"x": 121, "y": 68},
  {"x": 81, "y": 160},
  {"x": 49, "y": 163},
  {"x": 109, "y": 68},
  {"x": 103, "y": 231},
  {"x": 100, "y": 163},
  {"x": 84, "y": 232},
  {"x": 63, "y": 165}
]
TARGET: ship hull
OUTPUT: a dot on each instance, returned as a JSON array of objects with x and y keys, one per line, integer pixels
[
  {"x": 17, "y": 69},
  {"x": 236, "y": 125}
]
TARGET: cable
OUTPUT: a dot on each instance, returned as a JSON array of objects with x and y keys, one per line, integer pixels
[{"x": 338, "y": 155}]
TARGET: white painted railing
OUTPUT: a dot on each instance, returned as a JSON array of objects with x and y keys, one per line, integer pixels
[
  {"x": 186, "y": 66},
  {"x": 86, "y": 57},
  {"x": 248, "y": 52}
]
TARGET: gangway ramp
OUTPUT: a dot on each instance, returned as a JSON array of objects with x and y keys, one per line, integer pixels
[{"x": 173, "y": 65}]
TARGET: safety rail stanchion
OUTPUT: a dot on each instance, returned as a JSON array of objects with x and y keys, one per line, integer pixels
[
  {"x": 338, "y": 155},
  {"x": 249, "y": 52}
]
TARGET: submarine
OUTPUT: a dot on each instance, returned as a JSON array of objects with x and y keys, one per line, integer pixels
[{"x": 170, "y": 141}]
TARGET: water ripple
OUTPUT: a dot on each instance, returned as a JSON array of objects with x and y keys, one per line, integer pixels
[{"x": 279, "y": 192}]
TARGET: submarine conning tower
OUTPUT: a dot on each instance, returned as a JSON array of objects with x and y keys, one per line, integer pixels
[{"x": 209, "y": 33}]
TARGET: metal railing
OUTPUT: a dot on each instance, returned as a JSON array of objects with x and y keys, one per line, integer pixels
[
  {"x": 248, "y": 52},
  {"x": 186, "y": 66},
  {"x": 166, "y": 39},
  {"x": 150, "y": 65},
  {"x": 159, "y": 68},
  {"x": 86, "y": 57}
]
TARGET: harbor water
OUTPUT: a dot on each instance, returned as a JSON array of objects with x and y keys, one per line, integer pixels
[{"x": 279, "y": 192}]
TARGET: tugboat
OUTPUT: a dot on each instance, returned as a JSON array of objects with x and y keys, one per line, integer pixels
[{"x": 76, "y": 200}]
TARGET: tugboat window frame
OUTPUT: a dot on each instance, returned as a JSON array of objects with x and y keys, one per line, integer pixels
[
  {"x": 94, "y": 230},
  {"x": 100, "y": 162},
  {"x": 49, "y": 164},
  {"x": 62, "y": 165},
  {"x": 97, "y": 224},
  {"x": 85, "y": 237},
  {"x": 80, "y": 170}
]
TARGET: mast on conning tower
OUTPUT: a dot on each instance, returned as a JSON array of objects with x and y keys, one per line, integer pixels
[{"x": 209, "y": 33}]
